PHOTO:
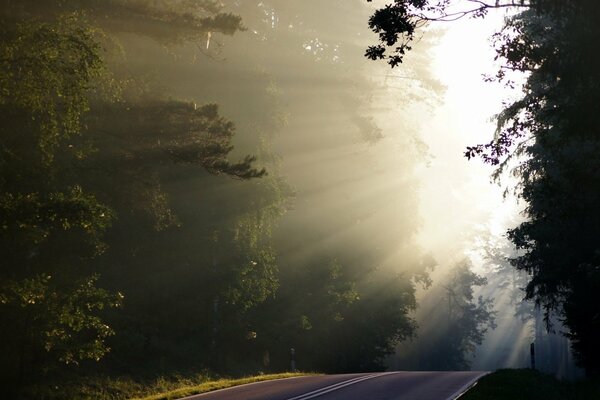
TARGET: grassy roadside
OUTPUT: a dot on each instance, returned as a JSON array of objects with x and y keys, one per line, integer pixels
[
  {"x": 527, "y": 384},
  {"x": 216, "y": 385},
  {"x": 123, "y": 388}
]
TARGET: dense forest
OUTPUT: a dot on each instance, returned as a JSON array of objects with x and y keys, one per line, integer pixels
[
  {"x": 200, "y": 186},
  {"x": 547, "y": 138},
  {"x": 138, "y": 241}
]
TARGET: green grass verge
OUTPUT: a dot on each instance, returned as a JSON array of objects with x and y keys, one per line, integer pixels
[
  {"x": 123, "y": 388},
  {"x": 216, "y": 385},
  {"x": 527, "y": 384}
]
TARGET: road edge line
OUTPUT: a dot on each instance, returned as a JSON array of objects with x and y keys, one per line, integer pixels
[
  {"x": 193, "y": 396},
  {"x": 466, "y": 387}
]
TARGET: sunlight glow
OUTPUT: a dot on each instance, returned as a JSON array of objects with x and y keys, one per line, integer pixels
[{"x": 457, "y": 195}]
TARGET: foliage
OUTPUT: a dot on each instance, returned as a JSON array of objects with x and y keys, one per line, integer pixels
[
  {"x": 56, "y": 152},
  {"x": 130, "y": 192},
  {"x": 62, "y": 320},
  {"x": 553, "y": 129},
  {"x": 397, "y": 24},
  {"x": 551, "y": 135},
  {"x": 205, "y": 238},
  {"x": 469, "y": 318},
  {"x": 467, "y": 321},
  {"x": 219, "y": 384},
  {"x": 163, "y": 387},
  {"x": 47, "y": 72},
  {"x": 330, "y": 320},
  {"x": 148, "y": 134},
  {"x": 50, "y": 305},
  {"x": 527, "y": 384},
  {"x": 169, "y": 22}
]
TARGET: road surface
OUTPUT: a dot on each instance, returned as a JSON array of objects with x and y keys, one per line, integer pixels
[{"x": 399, "y": 385}]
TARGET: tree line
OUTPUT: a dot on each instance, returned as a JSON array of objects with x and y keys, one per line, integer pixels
[
  {"x": 548, "y": 138},
  {"x": 137, "y": 241}
]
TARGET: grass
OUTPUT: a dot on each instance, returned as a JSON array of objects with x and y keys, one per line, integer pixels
[
  {"x": 174, "y": 387},
  {"x": 215, "y": 385},
  {"x": 507, "y": 384},
  {"x": 527, "y": 384}
]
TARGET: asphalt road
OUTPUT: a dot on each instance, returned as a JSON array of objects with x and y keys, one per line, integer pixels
[{"x": 401, "y": 385}]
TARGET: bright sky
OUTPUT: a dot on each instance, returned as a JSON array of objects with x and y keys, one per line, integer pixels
[{"x": 456, "y": 195}]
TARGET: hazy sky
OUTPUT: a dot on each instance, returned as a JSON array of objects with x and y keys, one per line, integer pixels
[
  {"x": 456, "y": 195},
  {"x": 355, "y": 197}
]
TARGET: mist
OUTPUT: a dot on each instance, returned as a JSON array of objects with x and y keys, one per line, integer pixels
[{"x": 240, "y": 180}]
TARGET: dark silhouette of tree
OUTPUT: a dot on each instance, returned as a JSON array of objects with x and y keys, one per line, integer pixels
[
  {"x": 50, "y": 227},
  {"x": 551, "y": 134},
  {"x": 336, "y": 323},
  {"x": 77, "y": 161},
  {"x": 397, "y": 23},
  {"x": 169, "y": 22},
  {"x": 463, "y": 321}
]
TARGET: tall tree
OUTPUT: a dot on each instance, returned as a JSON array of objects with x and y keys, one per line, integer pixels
[
  {"x": 51, "y": 228},
  {"x": 456, "y": 324},
  {"x": 554, "y": 127},
  {"x": 69, "y": 151},
  {"x": 551, "y": 133},
  {"x": 398, "y": 23},
  {"x": 169, "y": 22}
]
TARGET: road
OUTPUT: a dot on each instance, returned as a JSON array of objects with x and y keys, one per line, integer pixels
[{"x": 401, "y": 385}]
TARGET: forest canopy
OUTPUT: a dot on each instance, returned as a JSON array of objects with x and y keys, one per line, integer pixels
[
  {"x": 549, "y": 138},
  {"x": 142, "y": 204}
]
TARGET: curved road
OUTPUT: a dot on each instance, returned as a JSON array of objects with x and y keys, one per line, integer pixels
[{"x": 399, "y": 385}]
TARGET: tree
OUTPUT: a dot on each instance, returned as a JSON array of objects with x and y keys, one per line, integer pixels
[
  {"x": 191, "y": 248},
  {"x": 169, "y": 22},
  {"x": 554, "y": 127},
  {"x": 336, "y": 323},
  {"x": 77, "y": 164},
  {"x": 49, "y": 302},
  {"x": 371, "y": 237},
  {"x": 551, "y": 133},
  {"x": 463, "y": 321},
  {"x": 398, "y": 23}
]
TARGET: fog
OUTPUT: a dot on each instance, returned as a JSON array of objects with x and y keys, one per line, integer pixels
[{"x": 370, "y": 243}]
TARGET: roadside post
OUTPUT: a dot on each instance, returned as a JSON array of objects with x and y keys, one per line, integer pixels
[{"x": 293, "y": 358}]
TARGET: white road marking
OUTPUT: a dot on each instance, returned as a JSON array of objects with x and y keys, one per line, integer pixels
[
  {"x": 339, "y": 385},
  {"x": 467, "y": 386},
  {"x": 212, "y": 392}
]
